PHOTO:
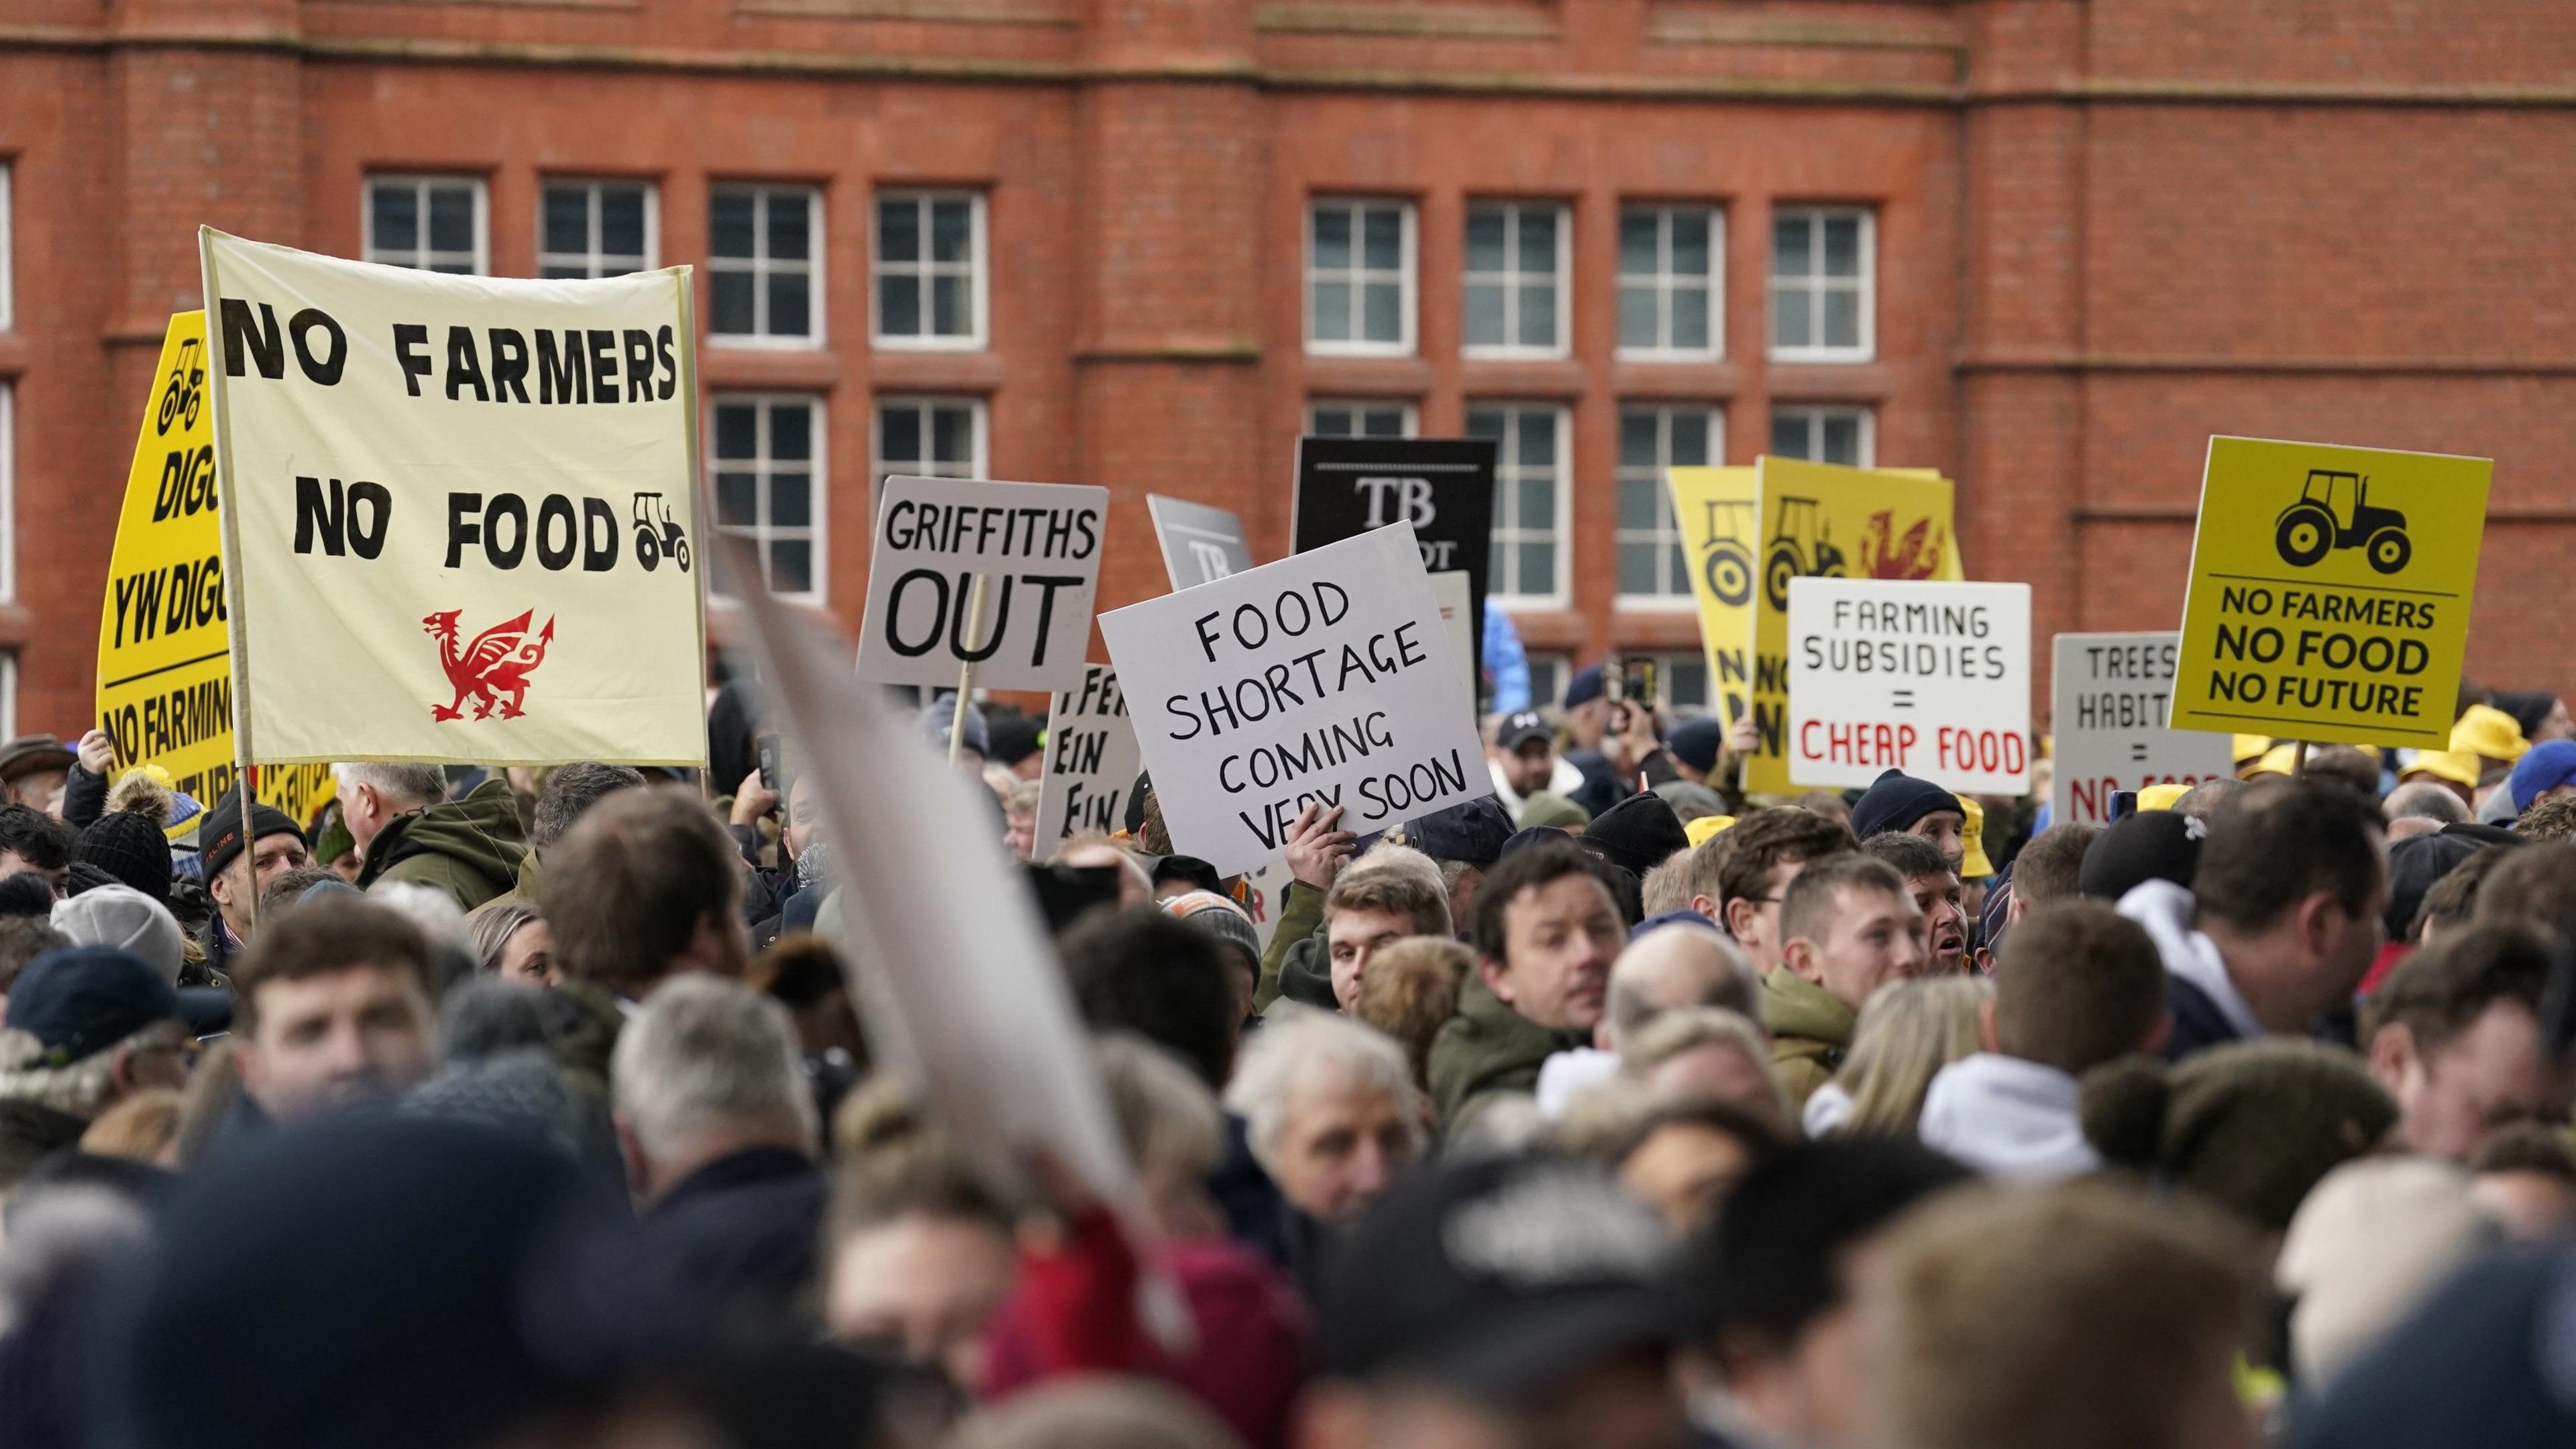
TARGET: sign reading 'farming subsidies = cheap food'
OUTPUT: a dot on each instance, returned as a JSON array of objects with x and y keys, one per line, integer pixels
[
  {"x": 2329, "y": 595},
  {"x": 1036, "y": 546},
  {"x": 460, "y": 511},
  {"x": 1931, "y": 679},
  {"x": 2110, "y": 695},
  {"x": 165, "y": 682},
  {"x": 1324, "y": 678},
  {"x": 1091, "y": 761}
]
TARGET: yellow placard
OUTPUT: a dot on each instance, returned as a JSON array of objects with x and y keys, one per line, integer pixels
[
  {"x": 1821, "y": 520},
  {"x": 1714, "y": 507},
  {"x": 2330, "y": 590},
  {"x": 164, "y": 642}
]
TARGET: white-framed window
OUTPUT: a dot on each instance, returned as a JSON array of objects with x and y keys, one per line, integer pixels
[
  {"x": 1681, "y": 682},
  {"x": 430, "y": 223},
  {"x": 8, "y": 492},
  {"x": 1517, "y": 256},
  {"x": 597, "y": 228},
  {"x": 1824, "y": 273},
  {"x": 766, "y": 455},
  {"x": 1652, "y": 438},
  {"x": 930, "y": 270},
  {"x": 1359, "y": 277},
  {"x": 1671, "y": 301},
  {"x": 765, "y": 266},
  {"x": 1361, "y": 418},
  {"x": 1824, "y": 435},
  {"x": 1531, "y": 498},
  {"x": 929, "y": 437},
  {"x": 8, "y": 268},
  {"x": 1548, "y": 673}
]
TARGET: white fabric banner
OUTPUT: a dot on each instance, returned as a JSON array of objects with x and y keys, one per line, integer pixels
[{"x": 460, "y": 511}]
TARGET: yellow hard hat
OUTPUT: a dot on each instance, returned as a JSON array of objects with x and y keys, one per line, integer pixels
[
  {"x": 2250, "y": 747},
  {"x": 2278, "y": 760},
  {"x": 2460, "y": 767},
  {"x": 2488, "y": 731},
  {"x": 2161, "y": 797},
  {"x": 1698, "y": 831},
  {"x": 1973, "y": 864}
]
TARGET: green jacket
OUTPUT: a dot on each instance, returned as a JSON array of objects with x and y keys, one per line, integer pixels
[
  {"x": 469, "y": 848},
  {"x": 1301, "y": 915},
  {"x": 1488, "y": 1049},
  {"x": 1810, "y": 1031}
]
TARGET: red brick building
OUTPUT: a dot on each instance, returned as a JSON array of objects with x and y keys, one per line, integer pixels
[{"x": 2047, "y": 246}]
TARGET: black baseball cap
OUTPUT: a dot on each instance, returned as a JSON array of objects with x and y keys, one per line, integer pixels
[
  {"x": 1500, "y": 1279},
  {"x": 1519, "y": 729},
  {"x": 80, "y": 1000}
]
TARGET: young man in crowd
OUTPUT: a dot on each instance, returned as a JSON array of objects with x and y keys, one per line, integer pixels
[
  {"x": 647, "y": 886},
  {"x": 407, "y": 829},
  {"x": 2283, "y": 918},
  {"x": 1898, "y": 802},
  {"x": 86, "y": 1027},
  {"x": 32, "y": 842},
  {"x": 2078, "y": 985},
  {"x": 569, "y": 793},
  {"x": 241, "y": 858},
  {"x": 1848, "y": 927},
  {"x": 1368, "y": 910},
  {"x": 1937, "y": 893},
  {"x": 1547, "y": 930},
  {"x": 2454, "y": 1035},
  {"x": 2048, "y": 868},
  {"x": 334, "y": 1008},
  {"x": 1739, "y": 876},
  {"x": 1523, "y": 761}
]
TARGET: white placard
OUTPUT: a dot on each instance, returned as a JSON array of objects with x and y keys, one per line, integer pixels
[
  {"x": 1455, "y": 593},
  {"x": 1037, "y": 544},
  {"x": 2110, "y": 694},
  {"x": 1929, "y": 678},
  {"x": 1091, "y": 761},
  {"x": 1326, "y": 676}
]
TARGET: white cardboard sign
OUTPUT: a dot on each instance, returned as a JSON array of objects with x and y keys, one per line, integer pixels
[
  {"x": 2110, "y": 695},
  {"x": 1091, "y": 761},
  {"x": 1038, "y": 546},
  {"x": 1929, "y": 678},
  {"x": 1325, "y": 677}
]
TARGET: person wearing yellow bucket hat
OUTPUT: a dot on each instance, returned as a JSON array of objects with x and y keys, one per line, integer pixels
[
  {"x": 1976, "y": 870},
  {"x": 2490, "y": 734},
  {"x": 2161, "y": 797},
  {"x": 2454, "y": 770},
  {"x": 1698, "y": 831}
]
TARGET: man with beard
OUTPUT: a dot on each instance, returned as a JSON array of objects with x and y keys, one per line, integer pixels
[
  {"x": 1936, "y": 891},
  {"x": 334, "y": 1008}
]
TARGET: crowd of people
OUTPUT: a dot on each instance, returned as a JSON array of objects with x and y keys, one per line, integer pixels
[{"x": 1614, "y": 1109}]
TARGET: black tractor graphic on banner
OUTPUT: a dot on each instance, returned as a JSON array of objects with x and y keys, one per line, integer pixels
[
  {"x": 1729, "y": 564},
  {"x": 2334, "y": 511},
  {"x": 1799, "y": 549}
]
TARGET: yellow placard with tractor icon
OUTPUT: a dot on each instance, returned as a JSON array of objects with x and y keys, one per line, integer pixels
[
  {"x": 2330, "y": 591},
  {"x": 1714, "y": 507},
  {"x": 1821, "y": 520}
]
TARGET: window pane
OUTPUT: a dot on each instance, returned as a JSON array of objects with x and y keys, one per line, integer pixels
[
  {"x": 1689, "y": 446},
  {"x": 1690, "y": 243},
  {"x": 568, "y": 219},
  {"x": 952, "y": 231},
  {"x": 1789, "y": 318},
  {"x": 731, "y": 293},
  {"x": 1332, "y": 311},
  {"x": 737, "y": 431},
  {"x": 1332, "y": 238},
  {"x": 1485, "y": 239},
  {"x": 1842, "y": 246},
  {"x": 1686, "y": 680},
  {"x": 1538, "y": 568},
  {"x": 737, "y": 499},
  {"x": 554, "y": 273},
  {"x": 1484, "y": 314},
  {"x": 898, "y": 239},
  {"x": 1842, "y": 439},
  {"x": 621, "y": 221},
  {"x": 952, "y": 307},
  {"x": 899, "y": 435},
  {"x": 395, "y": 209},
  {"x": 1498, "y": 562},
  {"x": 1484, "y": 422},
  {"x": 1842, "y": 318},
  {"x": 1331, "y": 423},
  {"x": 1637, "y": 503},
  {"x": 1789, "y": 435},
  {"x": 791, "y": 566},
  {"x": 1383, "y": 423},
  {"x": 1538, "y": 439},
  {"x": 1637, "y": 250},
  {"x": 1537, "y": 504},
  {"x": 1637, "y": 568},
  {"x": 1637, "y": 307},
  {"x": 451, "y": 219},
  {"x": 1690, "y": 317},
  {"x": 729, "y": 224},
  {"x": 791, "y": 500},
  {"x": 787, "y": 234},
  {"x": 953, "y": 436},
  {"x": 1383, "y": 319},
  {"x": 1636, "y": 438},
  {"x": 1791, "y": 253},
  {"x": 1538, "y": 316},
  {"x": 1538, "y": 240},
  {"x": 791, "y": 433},
  {"x": 1383, "y": 238},
  {"x": 787, "y": 309},
  {"x": 899, "y": 305}
]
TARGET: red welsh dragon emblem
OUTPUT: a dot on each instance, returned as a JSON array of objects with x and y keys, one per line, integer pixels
[{"x": 497, "y": 663}]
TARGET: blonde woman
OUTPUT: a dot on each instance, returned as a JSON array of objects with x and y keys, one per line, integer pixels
[{"x": 1907, "y": 1032}]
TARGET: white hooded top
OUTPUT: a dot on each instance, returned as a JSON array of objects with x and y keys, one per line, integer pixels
[{"x": 2008, "y": 1118}]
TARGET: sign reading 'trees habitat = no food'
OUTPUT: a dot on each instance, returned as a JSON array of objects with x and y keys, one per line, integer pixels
[
  {"x": 1324, "y": 678},
  {"x": 1931, "y": 679},
  {"x": 1037, "y": 548},
  {"x": 2330, "y": 591},
  {"x": 2110, "y": 695}
]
